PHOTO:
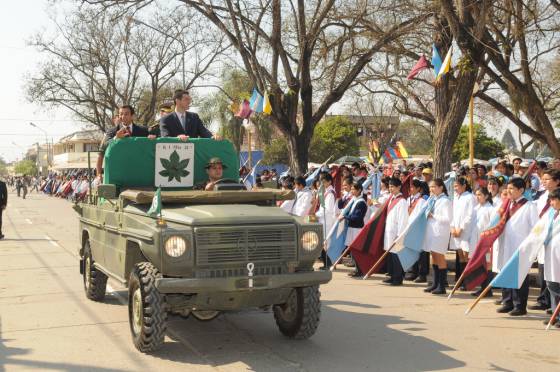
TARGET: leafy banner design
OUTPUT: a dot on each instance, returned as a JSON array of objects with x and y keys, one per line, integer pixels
[{"x": 174, "y": 167}]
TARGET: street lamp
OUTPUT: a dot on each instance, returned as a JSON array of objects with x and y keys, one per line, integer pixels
[
  {"x": 46, "y": 142},
  {"x": 139, "y": 22}
]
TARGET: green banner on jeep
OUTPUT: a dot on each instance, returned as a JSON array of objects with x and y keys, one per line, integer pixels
[{"x": 131, "y": 162}]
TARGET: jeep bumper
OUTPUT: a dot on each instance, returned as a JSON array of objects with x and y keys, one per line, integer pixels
[{"x": 233, "y": 284}]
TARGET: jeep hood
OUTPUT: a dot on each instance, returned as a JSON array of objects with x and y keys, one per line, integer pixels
[{"x": 223, "y": 214}]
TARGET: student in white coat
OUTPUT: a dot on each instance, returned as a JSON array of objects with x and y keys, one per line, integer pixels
[
  {"x": 436, "y": 239},
  {"x": 327, "y": 212},
  {"x": 420, "y": 270},
  {"x": 552, "y": 254},
  {"x": 397, "y": 219},
  {"x": 484, "y": 213},
  {"x": 304, "y": 198},
  {"x": 463, "y": 222},
  {"x": 550, "y": 181},
  {"x": 523, "y": 216}
]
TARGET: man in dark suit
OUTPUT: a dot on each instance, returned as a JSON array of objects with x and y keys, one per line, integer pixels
[
  {"x": 181, "y": 123},
  {"x": 125, "y": 128},
  {"x": 3, "y": 203}
]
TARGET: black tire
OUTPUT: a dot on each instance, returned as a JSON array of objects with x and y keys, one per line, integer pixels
[
  {"x": 95, "y": 282},
  {"x": 147, "y": 314},
  {"x": 205, "y": 315},
  {"x": 299, "y": 317}
]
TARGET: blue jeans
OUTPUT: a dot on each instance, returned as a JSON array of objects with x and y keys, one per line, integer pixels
[{"x": 554, "y": 289}]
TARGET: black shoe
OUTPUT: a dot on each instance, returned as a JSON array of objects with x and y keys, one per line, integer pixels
[
  {"x": 395, "y": 284},
  {"x": 537, "y": 306},
  {"x": 440, "y": 289},
  {"x": 410, "y": 276},
  {"x": 1, "y": 236},
  {"x": 518, "y": 312},
  {"x": 355, "y": 274},
  {"x": 476, "y": 293},
  {"x": 387, "y": 280},
  {"x": 421, "y": 279},
  {"x": 435, "y": 282},
  {"x": 504, "y": 309}
]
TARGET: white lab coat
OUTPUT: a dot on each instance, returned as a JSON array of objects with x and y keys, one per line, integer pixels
[
  {"x": 464, "y": 218},
  {"x": 397, "y": 218},
  {"x": 541, "y": 203},
  {"x": 483, "y": 214},
  {"x": 417, "y": 208},
  {"x": 552, "y": 255},
  {"x": 438, "y": 229},
  {"x": 327, "y": 215},
  {"x": 516, "y": 230},
  {"x": 302, "y": 203}
]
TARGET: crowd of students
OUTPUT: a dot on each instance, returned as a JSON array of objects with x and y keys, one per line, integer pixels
[{"x": 463, "y": 206}]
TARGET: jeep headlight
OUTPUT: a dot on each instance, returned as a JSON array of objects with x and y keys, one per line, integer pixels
[
  {"x": 175, "y": 246},
  {"x": 309, "y": 241}
]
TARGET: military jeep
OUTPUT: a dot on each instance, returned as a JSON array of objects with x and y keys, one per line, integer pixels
[{"x": 205, "y": 252}]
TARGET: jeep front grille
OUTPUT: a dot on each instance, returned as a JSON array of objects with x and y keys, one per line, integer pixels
[
  {"x": 242, "y": 244},
  {"x": 240, "y": 271}
]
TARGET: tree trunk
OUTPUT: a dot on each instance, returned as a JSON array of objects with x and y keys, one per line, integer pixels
[{"x": 298, "y": 153}]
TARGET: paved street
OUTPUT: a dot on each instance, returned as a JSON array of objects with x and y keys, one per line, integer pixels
[{"x": 47, "y": 323}]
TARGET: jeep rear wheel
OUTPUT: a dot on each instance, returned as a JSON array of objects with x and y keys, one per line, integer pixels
[
  {"x": 205, "y": 315},
  {"x": 95, "y": 282},
  {"x": 146, "y": 308},
  {"x": 299, "y": 317}
]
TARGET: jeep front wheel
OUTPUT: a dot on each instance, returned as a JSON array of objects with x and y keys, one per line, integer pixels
[
  {"x": 299, "y": 317},
  {"x": 146, "y": 308},
  {"x": 95, "y": 282}
]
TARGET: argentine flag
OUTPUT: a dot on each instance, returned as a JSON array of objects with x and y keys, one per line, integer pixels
[
  {"x": 516, "y": 269},
  {"x": 336, "y": 239},
  {"x": 408, "y": 245}
]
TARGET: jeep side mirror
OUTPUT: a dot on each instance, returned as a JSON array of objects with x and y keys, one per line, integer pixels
[{"x": 108, "y": 191}]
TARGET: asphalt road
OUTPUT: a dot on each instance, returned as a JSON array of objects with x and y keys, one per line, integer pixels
[{"x": 46, "y": 322}]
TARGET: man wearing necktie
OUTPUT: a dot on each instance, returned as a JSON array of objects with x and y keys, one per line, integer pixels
[
  {"x": 184, "y": 124},
  {"x": 124, "y": 128}
]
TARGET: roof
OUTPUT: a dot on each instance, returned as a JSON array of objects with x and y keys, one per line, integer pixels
[{"x": 88, "y": 136}]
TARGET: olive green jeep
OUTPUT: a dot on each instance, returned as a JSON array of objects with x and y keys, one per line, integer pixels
[{"x": 202, "y": 252}]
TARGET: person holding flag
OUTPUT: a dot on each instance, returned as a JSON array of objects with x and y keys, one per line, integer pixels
[
  {"x": 354, "y": 214},
  {"x": 552, "y": 254},
  {"x": 522, "y": 217},
  {"x": 416, "y": 201},
  {"x": 397, "y": 219},
  {"x": 550, "y": 181},
  {"x": 436, "y": 239},
  {"x": 327, "y": 209},
  {"x": 463, "y": 222}
]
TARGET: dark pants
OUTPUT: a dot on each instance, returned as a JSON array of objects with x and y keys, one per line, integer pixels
[
  {"x": 422, "y": 266},
  {"x": 1, "y": 210},
  {"x": 544, "y": 296},
  {"x": 397, "y": 272},
  {"x": 324, "y": 256},
  {"x": 516, "y": 298},
  {"x": 554, "y": 295}
]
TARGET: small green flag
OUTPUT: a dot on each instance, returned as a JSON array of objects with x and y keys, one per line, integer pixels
[
  {"x": 321, "y": 193},
  {"x": 155, "y": 209}
]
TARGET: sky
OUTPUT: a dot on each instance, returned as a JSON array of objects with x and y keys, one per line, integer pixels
[{"x": 19, "y": 20}]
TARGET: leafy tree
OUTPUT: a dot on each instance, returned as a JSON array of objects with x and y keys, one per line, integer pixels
[
  {"x": 485, "y": 147},
  {"x": 334, "y": 136},
  {"x": 26, "y": 168},
  {"x": 276, "y": 152},
  {"x": 416, "y": 137},
  {"x": 3, "y": 167}
]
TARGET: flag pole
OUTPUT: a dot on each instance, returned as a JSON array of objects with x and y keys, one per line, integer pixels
[
  {"x": 554, "y": 315},
  {"x": 457, "y": 284},
  {"x": 368, "y": 274},
  {"x": 333, "y": 267},
  {"x": 482, "y": 295},
  {"x": 471, "y": 132}
]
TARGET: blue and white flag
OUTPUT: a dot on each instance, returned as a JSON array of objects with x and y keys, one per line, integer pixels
[
  {"x": 516, "y": 269},
  {"x": 336, "y": 240},
  {"x": 257, "y": 101},
  {"x": 309, "y": 180},
  {"x": 449, "y": 184},
  {"x": 373, "y": 180},
  {"x": 408, "y": 245},
  {"x": 251, "y": 178}
]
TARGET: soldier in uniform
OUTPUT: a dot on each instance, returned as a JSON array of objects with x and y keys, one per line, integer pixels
[
  {"x": 164, "y": 109},
  {"x": 3, "y": 203},
  {"x": 214, "y": 169}
]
